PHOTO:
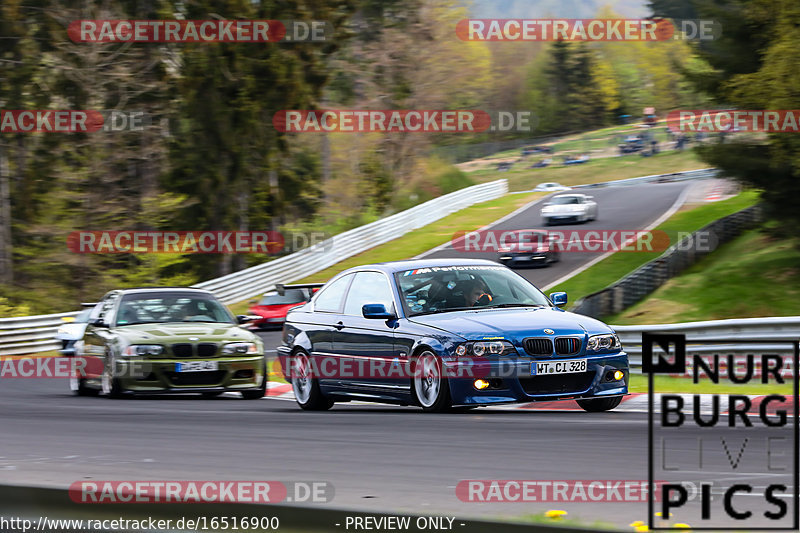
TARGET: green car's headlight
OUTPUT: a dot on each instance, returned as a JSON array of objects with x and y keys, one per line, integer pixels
[
  {"x": 481, "y": 348},
  {"x": 140, "y": 350},
  {"x": 599, "y": 343},
  {"x": 239, "y": 348}
]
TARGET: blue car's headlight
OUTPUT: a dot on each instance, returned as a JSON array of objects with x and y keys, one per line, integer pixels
[
  {"x": 481, "y": 348},
  {"x": 607, "y": 342}
]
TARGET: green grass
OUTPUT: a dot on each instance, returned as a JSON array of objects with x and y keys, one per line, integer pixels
[
  {"x": 754, "y": 275},
  {"x": 616, "y": 266},
  {"x": 638, "y": 383},
  {"x": 521, "y": 178}
]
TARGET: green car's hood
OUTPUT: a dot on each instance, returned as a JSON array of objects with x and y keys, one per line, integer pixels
[{"x": 171, "y": 332}]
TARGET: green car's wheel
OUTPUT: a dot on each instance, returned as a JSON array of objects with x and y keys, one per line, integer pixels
[
  {"x": 112, "y": 387},
  {"x": 598, "y": 405},
  {"x": 305, "y": 387},
  {"x": 431, "y": 388},
  {"x": 261, "y": 391}
]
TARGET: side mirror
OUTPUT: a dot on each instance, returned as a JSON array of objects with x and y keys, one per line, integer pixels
[
  {"x": 98, "y": 323},
  {"x": 376, "y": 311},
  {"x": 559, "y": 299},
  {"x": 243, "y": 319}
]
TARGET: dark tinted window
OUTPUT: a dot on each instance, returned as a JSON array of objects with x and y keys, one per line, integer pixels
[
  {"x": 293, "y": 296},
  {"x": 153, "y": 307}
]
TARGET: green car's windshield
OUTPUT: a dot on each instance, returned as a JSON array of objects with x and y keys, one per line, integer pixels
[
  {"x": 170, "y": 307},
  {"x": 456, "y": 288}
]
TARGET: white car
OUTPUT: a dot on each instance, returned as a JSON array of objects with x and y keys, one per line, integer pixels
[
  {"x": 569, "y": 208},
  {"x": 550, "y": 187},
  {"x": 72, "y": 330}
]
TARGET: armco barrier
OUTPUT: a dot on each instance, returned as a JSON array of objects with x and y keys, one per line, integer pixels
[
  {"x": 650, "y": 276},
  {"x": 30, "y": 334},
  {"x": 40, "y": 504},
  {"x": 774, "y": 329},
  {"x": 254, "y": 280},
  {"x": 34, "y": 334}
]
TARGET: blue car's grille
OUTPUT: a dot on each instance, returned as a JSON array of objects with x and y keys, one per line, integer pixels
[
  {"x": 539, "y": 346},
  {"x": 568, "y": 345}
]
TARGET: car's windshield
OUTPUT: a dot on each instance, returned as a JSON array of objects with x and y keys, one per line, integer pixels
[
  {"x": 171, "y": 307},
  {"x": 293, "y": 296},
  {"x": 562, "y": 200},
  {"x": 453, "y": 288}
]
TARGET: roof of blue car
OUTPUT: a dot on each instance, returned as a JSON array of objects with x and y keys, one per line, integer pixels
[{"x": 410, "y": 264}]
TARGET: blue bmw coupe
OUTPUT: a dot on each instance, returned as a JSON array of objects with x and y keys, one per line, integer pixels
[{"x": 447, "y": 333}]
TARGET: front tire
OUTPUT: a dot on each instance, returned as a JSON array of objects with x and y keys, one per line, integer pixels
[
  {"x": 305, "y": 387},
  {"x": 598, "y": 405},
  {"x": 431, "y": 388}
]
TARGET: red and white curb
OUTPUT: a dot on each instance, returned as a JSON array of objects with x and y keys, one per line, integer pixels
[{"x": 632, "y": 403}]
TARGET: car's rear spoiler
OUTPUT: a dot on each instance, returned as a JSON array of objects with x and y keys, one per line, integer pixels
[{"x": 281, "y": 288}]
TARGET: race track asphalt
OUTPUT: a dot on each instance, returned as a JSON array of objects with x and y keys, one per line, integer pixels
[{"x": 377, "y": 457}]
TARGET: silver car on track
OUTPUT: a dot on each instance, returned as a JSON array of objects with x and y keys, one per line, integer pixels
[{"x": 568, "y": 208}]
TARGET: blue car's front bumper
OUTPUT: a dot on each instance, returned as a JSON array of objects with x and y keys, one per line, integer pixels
[{"x": 511, "y": 380}]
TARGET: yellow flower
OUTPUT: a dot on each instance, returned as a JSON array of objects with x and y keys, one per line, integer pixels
[
  {"x": 636, "y": 524},
  {"x": 681, "y": 525},
  {"x": 555, "y": 514},
  {"x": 642, "y": 528}
]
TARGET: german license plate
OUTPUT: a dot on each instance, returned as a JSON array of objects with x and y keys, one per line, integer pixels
[
  {"x": 197, "y": 366},
  {"x": 570, "y": 366}
]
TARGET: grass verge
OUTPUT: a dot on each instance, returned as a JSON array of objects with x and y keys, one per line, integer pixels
[
  {"x": 619, "y": 264},
  {"x": 754, "y": 275}
]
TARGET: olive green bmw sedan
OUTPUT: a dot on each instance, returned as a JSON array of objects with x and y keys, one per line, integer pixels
[{"x": 167, "y": 340}]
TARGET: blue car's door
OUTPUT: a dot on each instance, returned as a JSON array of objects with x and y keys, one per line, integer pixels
[
  {"x": 322, "y": 323},
  {"x": 366, "y": 345}
]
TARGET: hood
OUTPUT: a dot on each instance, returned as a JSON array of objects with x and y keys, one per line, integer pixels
[
  {"x": 71, "y": 330},
  {"x": 512, "y": 323},
  {"x": 170, "y": 332}
]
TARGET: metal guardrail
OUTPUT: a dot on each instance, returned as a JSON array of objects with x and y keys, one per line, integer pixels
[
  {"x": 650, "y": 276},
  {"x": 30, "y": 334},
  {"x": 34, "y": 334},
  {"x": 675, "y": 176},
  {"x": 252, "y": 281},
  {"x": 778, "y": 329}
]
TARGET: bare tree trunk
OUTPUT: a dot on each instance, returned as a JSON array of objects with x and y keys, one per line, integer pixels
[{"x": 6, "y": 247}]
